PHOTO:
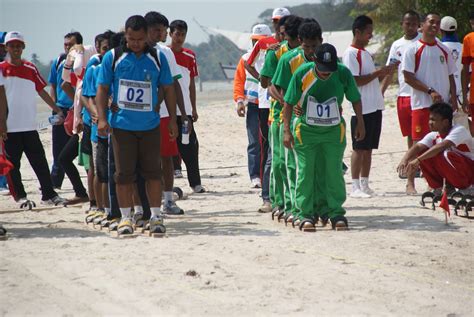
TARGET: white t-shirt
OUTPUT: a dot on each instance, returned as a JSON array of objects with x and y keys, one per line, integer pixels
[
  {"x": 456, "y": 53},
  {"x": 459, "y": 135},
  {"x": 22, "y": 84},
  {"x": 175, "y": 72},
  {"x": 396, "y": 52},
  {"x": 432, "y": 65},
  {"x": 360, "y": 63}
]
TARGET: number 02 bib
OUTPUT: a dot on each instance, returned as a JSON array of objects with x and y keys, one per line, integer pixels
[
  {"x": 134, "y": 95},
  {"x": 324, "y": 114}
]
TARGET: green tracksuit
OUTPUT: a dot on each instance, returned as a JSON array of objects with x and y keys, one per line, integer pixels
[{"x": 320, "y": 139}]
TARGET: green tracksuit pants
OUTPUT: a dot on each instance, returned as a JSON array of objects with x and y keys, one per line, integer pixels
[
  {"x": 320, "y": 189},
  {"x": 276, "y": 178}
]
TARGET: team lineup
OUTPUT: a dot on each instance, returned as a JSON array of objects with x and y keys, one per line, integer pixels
[{"x": 126, "y": 108}]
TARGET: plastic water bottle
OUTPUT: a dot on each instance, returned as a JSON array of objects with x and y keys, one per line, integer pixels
[
  {"x": 54, "y": 119},
  {"x": 185, "y": 132}
]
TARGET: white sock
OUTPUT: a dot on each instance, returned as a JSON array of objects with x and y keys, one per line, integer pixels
[
  {"x": 107, "y": 210},
  {"x": 155, "y": 211},
  {"x": 355, "y": 184},
  {"x": 168, "y": 197},
  {"x": 364, "y": 182},
  {"x": 125, "y": 212},
  {"x": 138, "y": 209}
]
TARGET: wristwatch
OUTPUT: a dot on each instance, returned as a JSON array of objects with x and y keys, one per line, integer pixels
[{"x": 430, "y": 91}]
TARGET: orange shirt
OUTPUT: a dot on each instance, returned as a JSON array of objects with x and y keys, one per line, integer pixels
[{"x": 468, "y": 58}]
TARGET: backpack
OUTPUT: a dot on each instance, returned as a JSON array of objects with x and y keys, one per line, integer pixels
[{"x": 119, "y": 50}]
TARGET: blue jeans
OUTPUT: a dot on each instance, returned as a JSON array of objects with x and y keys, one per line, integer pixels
[
  {"x": 253, "y": 149},
  {"x": 60, "y": 139},
  {"x": 3, "y": 181}
]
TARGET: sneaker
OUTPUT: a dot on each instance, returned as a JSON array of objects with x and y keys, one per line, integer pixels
[
  {"x": 138, "y": 220},
  {"x": 171, "y": 208},
  {"x": 364, "y": 187},
  {"x": 178, "y": 174},
  {"x": 100, "y": 216},
  {"x": 156, "y": 225},
  {"x": 256, "y": 183},
  {"x": 198, "y": 189},
  {"x": 359, "y": 194},
  {"x": 125, "y": 227},
  {"x": 4, "y": 191},
  {"x": 55, "y": 201},
  {"x": 77, "y": 200},
  {"x": 266, "y": 207}
]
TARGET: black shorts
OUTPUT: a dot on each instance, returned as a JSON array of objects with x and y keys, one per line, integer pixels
[
  {"x": 373, "y": 128},
  {"x": 101, "y": 159},
  {"x": 86, "y": 145}
]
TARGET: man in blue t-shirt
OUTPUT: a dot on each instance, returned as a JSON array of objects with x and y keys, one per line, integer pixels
[
  {"x": 64, "y": 102},
  {"x": 136, "y": 74}
]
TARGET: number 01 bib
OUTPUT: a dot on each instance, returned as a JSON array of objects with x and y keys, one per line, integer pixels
[
  {"x": 134, "y": 95},
  {"x": 324, "y": 114}
]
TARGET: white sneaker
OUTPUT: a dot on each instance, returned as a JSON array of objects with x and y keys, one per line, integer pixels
[
  {"x": 358, "y": 193},
  {"x": 367, "y": 190},
  {"x": 256, "y": 183},
  {"x": 4, "y": 191},
  {"x": 178, "y": 174},
  {"x": 199, "y": 189}
]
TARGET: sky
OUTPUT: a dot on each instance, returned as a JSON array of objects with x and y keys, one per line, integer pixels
[{"x": 44, "y": 22}]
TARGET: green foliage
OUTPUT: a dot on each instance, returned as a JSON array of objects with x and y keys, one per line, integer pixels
[
  {"x": 42, "y": 68},
  {"x": 331, "y": 15},
  {"x": 217, "y": 50},
  {"x": 388, "y": 14}
]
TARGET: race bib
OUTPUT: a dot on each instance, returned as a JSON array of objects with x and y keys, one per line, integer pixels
[
  {"x": 324, "y": 114},
  {"x": 134, "y": 95}
]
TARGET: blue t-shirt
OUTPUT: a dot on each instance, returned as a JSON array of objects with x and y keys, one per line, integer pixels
[
  {"x": 55, "y": 78},
  {"x": 88, "y": 81},
  {"x": 135, "y": 82}
]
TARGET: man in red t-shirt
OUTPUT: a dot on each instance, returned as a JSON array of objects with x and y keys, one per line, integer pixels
[
  {"x": 189, "y": 145},
  {"x": 23, "y": 83}
]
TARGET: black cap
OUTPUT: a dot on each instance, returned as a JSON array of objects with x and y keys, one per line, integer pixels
[{"x": 326, "y": 58}]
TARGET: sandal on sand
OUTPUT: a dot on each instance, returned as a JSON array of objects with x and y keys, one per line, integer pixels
[
  {"x": 339, "y": 223},
  {"x": 125, "y": 227},
  {"x": 274, "y": 211},
  {"x": 289, "y": 218},
  {"x": 279, "y": 215},
  {"x": 307, "y": 225}
]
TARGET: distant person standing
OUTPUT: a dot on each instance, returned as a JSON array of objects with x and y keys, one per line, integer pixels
[
  {"x": 367, "y": 77},
  {"x": 448, "y": 27},
  {"x": 246, "y": 98},
  {"x": 3, "y": 180},
  {"x": 64, "y": 102},
  {"x": 188, "y": 145},
  {"x": 410, "y": 24},
  {"x": 23, "y": 83},
  {"x": 468, "y": 73}
]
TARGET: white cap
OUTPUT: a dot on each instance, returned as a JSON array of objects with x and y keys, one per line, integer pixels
[
  {"x": 260, "y": 31},
  {"x": 279, "y": 13},
  {"x": 14, "y": 36},
  {"x": 448, "y": 24}
]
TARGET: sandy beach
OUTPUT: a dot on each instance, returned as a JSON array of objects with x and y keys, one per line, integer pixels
[{"x": 224, "y": 258}]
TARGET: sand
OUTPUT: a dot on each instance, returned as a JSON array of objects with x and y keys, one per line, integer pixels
[{"x": 224, "y": 258}]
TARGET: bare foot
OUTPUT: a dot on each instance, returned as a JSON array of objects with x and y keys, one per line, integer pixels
[{"x": 410, "y": 190}]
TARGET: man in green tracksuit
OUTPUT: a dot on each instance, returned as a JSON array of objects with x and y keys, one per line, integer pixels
[
  {"x": 310, "y": 37},
  {"x": 319, "y": 136},
  {"x": 279, "y": 197}
]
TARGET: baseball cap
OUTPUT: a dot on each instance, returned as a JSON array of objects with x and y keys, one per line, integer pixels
[
  {"x": 2, "y": 38},
  {"x": 14, "y": 36},
  {"x": 326, "y": 58},
  {"x": 260, "y": 31},
  {"x": 448, "y": 24},
  {"x": 279, "y": 13}
]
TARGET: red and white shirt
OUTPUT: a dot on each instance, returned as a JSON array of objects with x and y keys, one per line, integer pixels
[
  {"x": 257, "y": 59},
  {"x": 432, "y": 65},
  {"x": 397, "y": 50},
  {"x": 361, "y": 63},
  {"x": 186, "y": 60},
  {"x": 459, "y": 135},
  {"x": 22, "y": 84}
]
